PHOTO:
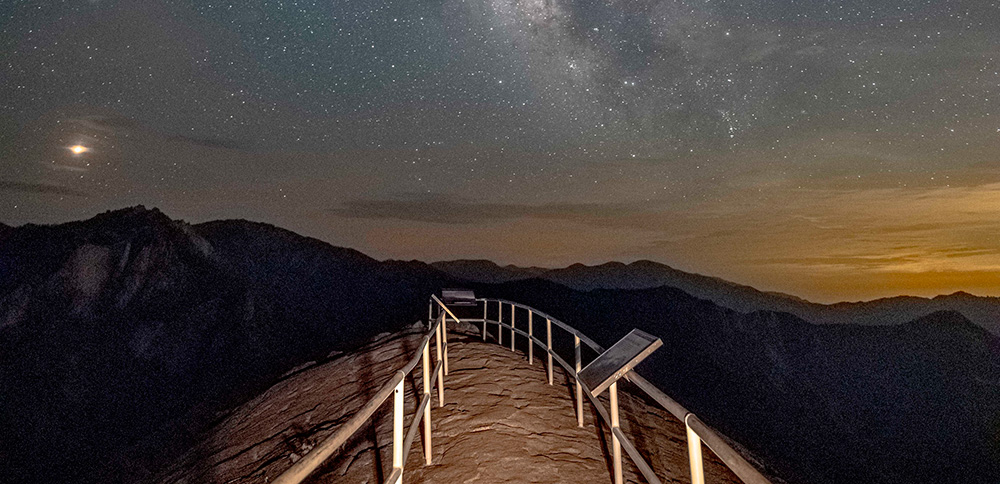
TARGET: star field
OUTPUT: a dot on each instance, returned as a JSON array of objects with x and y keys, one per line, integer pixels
[{"x": 719, "y": 121}]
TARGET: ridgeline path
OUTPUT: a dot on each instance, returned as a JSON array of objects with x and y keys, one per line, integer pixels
[{"x": 501, "y": 422}]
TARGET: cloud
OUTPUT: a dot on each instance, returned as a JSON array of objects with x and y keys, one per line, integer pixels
[
  {"x": 60, "y": 167},
  {"x": 845, "y": 261},
  {"x": 877, "y": 259},
  {"x": 115, "y": 123},
  {"x": 24, "y": 187}
]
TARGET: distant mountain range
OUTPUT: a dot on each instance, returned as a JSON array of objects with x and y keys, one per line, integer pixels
[
  {"x": 983, "y": 311},
  {"x": 124, "y": 336},
  {"x": 915, "y": 402}
]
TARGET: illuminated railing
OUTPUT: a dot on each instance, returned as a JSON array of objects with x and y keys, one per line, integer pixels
[
  {"x": 400, "y": 443},
  {"x": 697, "y": 431}
]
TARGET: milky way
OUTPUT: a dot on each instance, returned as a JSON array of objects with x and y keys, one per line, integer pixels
[{"x": 750, "y": 140}]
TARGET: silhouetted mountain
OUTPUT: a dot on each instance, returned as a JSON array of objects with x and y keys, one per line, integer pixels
[
  {"x": 914, "y": 402},
  {"x": 322, "y": 285},
  {"x": 983, "y": 311},
  {"x": 123, "y": 335},
  {"x": 487, "y": 271},
  {"x": 109, "y": 328}
]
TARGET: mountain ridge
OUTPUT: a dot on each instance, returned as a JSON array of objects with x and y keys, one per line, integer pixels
[
  {"x": 485, "y": 270},
  {"x": 644, "y": 274}
]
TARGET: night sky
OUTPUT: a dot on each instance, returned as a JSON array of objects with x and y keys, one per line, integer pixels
[{"x": 831, "y": 150}]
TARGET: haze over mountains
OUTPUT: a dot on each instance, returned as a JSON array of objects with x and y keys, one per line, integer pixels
[
  {"x": 124, "y": 336},
  {"x": 644, "y": 274}
]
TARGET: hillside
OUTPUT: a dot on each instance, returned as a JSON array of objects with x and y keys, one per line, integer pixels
[
  {"x": 330, "y": 288},
  {"x": 123, "y": 335}
]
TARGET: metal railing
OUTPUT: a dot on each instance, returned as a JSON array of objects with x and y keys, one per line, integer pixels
[
  {"x": 697, "y": 431},
  {"x": 400, "y": 444}
]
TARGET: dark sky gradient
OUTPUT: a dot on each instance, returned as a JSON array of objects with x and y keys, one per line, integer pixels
[{"x": 833, "y": 150}]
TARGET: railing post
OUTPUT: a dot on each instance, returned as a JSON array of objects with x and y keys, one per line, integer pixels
[
  {"x": 579, "y": 389},
  {"x": 397, "y": 430},
  {"x": 616, "y": 445},
  {"x": 531, "y": 340},
  {"x": 694, "y": 454},
  {"x": 499, "y": 323},
  {"x": 484, "y": 320},
  {"x": 444, "y": 332},
  {"x": 437, "y": 339},
  {"x": 512, "y": 337},
  {"x": 430, "y": 314},
  {"x": 548, "y": 345},
  {"x": 427, "y": 408}
]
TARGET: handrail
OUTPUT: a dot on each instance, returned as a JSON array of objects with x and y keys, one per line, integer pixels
[
  {"x": 696, "y": 429},
  {"x": 444, "y": 330},
  {"x": 583, "y": 338},
  {"x": 312, "y": 460}
]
